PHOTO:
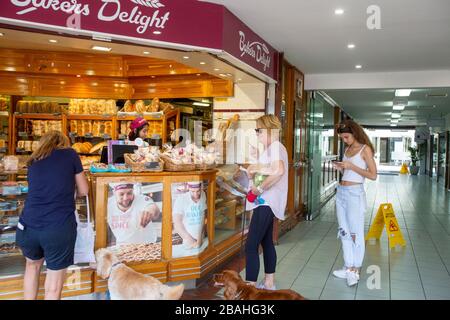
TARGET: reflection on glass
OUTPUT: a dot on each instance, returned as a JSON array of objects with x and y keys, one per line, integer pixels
[{"x": 230, "y": 216}]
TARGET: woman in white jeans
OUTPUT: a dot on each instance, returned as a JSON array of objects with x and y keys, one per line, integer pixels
[{"x": 358, "y": 163}]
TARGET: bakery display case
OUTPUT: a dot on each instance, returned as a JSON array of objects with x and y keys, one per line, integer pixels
[{"x": 231, "y": 218}]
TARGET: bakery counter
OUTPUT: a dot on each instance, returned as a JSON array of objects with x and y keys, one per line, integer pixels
[
  {"x": 161, "y": 224},
  {"x": 175, "y": 226}
]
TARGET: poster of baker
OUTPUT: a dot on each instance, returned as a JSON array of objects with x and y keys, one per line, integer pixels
[
  {"x": 189, "y": 212},
  {"x": 135, "y": 220}
]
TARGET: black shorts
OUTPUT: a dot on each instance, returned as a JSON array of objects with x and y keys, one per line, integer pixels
[{"x": 56, "y": 245}]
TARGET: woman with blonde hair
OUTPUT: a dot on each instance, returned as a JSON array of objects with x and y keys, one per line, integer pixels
[
  {"x": 47, "y": 228},
  {"x": 273, "y": 165},
  {"x": 358, "y": 163}
]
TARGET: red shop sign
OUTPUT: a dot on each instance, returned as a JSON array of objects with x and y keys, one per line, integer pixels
[{"x": 189, "y": 23}]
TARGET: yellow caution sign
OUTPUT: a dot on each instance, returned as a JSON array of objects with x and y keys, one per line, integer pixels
[
  {"x": 386, "y": 218},
  {"x": 404, "y": 169}
]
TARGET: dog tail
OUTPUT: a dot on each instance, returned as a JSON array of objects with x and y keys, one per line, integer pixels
[{"x": 173, "y": 293}]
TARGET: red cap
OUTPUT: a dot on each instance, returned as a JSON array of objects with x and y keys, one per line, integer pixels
[{"x": 137, "y": 123}]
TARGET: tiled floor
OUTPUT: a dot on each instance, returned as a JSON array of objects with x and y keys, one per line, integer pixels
[{"x": 308, "y": 254}]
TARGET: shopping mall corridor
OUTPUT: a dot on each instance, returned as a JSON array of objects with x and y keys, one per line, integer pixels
[{"x": 308, "y": 254}]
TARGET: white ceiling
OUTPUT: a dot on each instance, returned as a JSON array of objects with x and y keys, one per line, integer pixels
[
  {"x": 374, "y": 107},
  {"x": 414, "y": 35}
]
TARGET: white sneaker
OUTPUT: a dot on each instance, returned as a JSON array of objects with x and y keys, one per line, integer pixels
[
  {"x": 342, "y": 273},
  {"x": 352, "y": 278},
  {"x": 261, "y": 285}
]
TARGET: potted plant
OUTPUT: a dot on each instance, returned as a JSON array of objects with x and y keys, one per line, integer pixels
[{"x": 413, "y": 168}]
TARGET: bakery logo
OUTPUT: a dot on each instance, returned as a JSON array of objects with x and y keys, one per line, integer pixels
[
  {"x": 110, "y": 11},
  {"x": 256, "y": 50}
]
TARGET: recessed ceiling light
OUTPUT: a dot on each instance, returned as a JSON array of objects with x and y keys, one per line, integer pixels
[
  {"x": 202, "y": 62},
  {"x": 1, "y": 34},
  {"x": 358, "y": 66},
  {"x": 10, "y": 69},
  {"x": 222, "y": 74},
  {"x": 216, "y": 69},
  {"x": 185, "y": 57},
  {"x": 157, "y": 32},
  {"x": 78, "y": 76},
  {"x": 173, "y": 72},
  {"x": 396, "y": 115},
  {"x": 146, "y": 52},
  {"x": 100, "y": 48},
  {"x": 394, "y": 120},
  {"x": 153, "y": 77},
  {"x": 402, "y": 92},
  {"x": 394, "y": 125},
  {"x": 239, "y": 79},
  {"x": 351, "y": 46},
  {"x": 198, "y": 74},
  {"x": 399, "y": 107},
  {"x": 339, "y": 12},
  {"x": 53, "y": 41},
  {"x": 229, "y": 75},
  {"x": 94, "y": 84},
  {"x": 90, "y": 72},
  {"x": 62, "y": 82}
]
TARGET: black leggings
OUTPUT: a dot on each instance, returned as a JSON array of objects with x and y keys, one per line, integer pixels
[{"x": 260, "y": 232}]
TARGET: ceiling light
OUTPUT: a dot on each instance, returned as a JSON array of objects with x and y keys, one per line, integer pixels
[
  {"x": 146, "y": 52},
  {"x": 222, "y": 74},
  {"x": 394, "y": 120},
  {"x": 239, "y": 79},
  {"x": 94, "y": 84},
  {"x": 402, "y": 92},
  {"x": 339, "y": 12},
  {"x": 10, "y": 69},
  {"x": 201, "y": 104},
  {"x": 185, "y": 57},
  {"x": 216, "y": 69},
  {"x": 90, "y": 72},
  {"x": 202, "y": 62},
  {"x": 173, "y": 72},
  {"x": 53, "y": 41},
  {"x": 1, "y": 34},
  {"x": 399, "y": 107},
  {"x": 358, "y": 66},
  {"x": 351, "y": 46},
  {"x": 78, "y": 76},
  {"x": 62, "y": 82},
  {"x": 396, "y": 115},
  {"x": 100, "y": 48},
  {"x": 198, "y": 74},
  {"x": 394, "y": 125},
  {"x": 157, "y": 32}
]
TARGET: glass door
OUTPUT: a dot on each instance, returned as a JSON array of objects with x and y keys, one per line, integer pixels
[{"x": 315, "y": 127}]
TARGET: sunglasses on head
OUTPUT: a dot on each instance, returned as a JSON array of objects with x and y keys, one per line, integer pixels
[
  {"x": 343, "y": 128},
  {"x": 258, "y": 130}
]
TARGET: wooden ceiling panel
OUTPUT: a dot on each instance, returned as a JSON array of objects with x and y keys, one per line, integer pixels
[{"x": 142, "y": 66}]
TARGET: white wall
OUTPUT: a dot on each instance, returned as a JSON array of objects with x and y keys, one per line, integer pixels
[{"x": 246, "y": 96}]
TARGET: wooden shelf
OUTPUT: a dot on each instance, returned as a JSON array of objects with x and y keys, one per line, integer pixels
[
  {"x": 105, "y": 117},
  {"x": 38, "y": 116}
]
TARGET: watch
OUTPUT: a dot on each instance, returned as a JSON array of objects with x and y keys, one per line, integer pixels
[{"x": 260, "y": 189}]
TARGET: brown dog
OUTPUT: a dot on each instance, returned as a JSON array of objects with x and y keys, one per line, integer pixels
[{"x": 238, "y": 289}]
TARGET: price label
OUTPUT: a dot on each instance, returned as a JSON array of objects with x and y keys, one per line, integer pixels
[{"x": 88, "y": 135}]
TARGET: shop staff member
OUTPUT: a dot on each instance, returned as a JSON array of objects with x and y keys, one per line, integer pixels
[
  {"x": 139, "y": 129},
  {"x": 129, "y": 216},
  {"x": 47, "y": 229},
  {"x": 189, "y": 215}
]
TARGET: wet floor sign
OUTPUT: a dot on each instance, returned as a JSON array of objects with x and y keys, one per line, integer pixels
[
  {"x": 404, "y": 169},
  {"x": 386, "y": 218}
]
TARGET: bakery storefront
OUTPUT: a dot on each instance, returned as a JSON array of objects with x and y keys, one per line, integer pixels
[{"x": 192, "y": 70}]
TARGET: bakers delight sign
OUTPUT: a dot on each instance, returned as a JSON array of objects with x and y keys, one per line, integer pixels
[
  {"x": 109, "y": 11},
  {"x": 185, "y": 22}
]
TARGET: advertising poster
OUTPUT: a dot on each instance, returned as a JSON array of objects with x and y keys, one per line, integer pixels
[{"x": 189, "y": 212}]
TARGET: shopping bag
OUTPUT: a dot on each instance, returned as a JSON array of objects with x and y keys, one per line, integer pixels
[{"x": 84, "y": 245}]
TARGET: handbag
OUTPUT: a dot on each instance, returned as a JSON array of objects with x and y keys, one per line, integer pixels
[{"x": 84, "y": 245}]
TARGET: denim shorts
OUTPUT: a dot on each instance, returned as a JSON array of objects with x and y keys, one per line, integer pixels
[{"x": 56, "y": 245}]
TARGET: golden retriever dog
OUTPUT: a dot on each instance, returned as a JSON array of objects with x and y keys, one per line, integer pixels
[
  {"x": 126, "y": 284},
  {"x": 238, "y": 289}
]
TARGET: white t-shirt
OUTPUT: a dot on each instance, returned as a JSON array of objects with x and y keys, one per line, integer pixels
[
  {"x": 193, "y": 213},
  {"x": 126, "y": 225},
  {"x": 276, "y": 196}
]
